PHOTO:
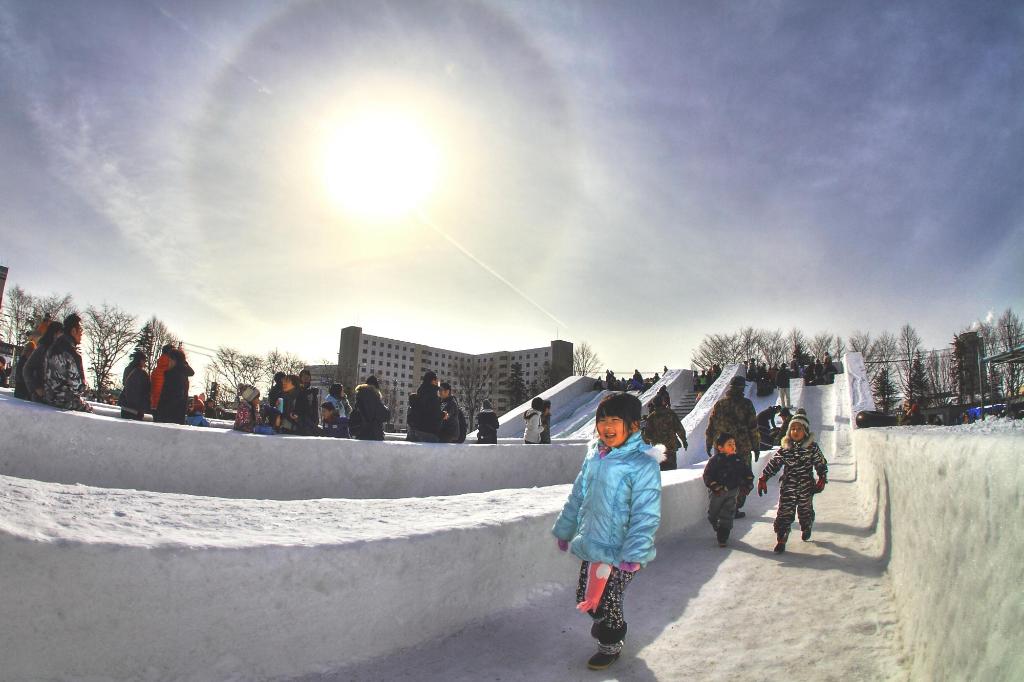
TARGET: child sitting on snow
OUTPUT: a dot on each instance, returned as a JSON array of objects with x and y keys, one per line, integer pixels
[
  {"x": 726, "y": 476},
  {"x": 800, "y": 456},
  {"x": 247, "y": 417},
  {"x": 195, "y": 414},
  {"x": 611, "y": 516},
  {"x": 335, "y": 426}
]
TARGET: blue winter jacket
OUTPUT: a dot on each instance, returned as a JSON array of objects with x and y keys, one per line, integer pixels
[{"x": 615, "y": 505}]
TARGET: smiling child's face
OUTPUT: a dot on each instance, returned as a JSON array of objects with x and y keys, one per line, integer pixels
[
  {"x": 728, "y": 447},
  {"x": 613, "y": 432}
]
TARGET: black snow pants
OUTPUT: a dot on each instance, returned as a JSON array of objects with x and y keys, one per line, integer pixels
[{"x": 609, "y": 627}]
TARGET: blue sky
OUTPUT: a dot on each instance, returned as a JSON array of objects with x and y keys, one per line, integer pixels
[{"x": 645, "y": 172}]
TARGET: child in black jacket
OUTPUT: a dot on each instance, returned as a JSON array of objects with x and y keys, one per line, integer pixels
[{"x": 726, "y": 476}]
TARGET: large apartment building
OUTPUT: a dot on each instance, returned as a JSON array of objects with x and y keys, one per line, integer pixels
[{"x": 400, "y": 365}]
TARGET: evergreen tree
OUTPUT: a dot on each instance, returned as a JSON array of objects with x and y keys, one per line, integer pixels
[
  {"x": 144, "y": 344},
  {"x": 884, "y": 389},
  {"x": 517, "y": 385},
  {"x": 800, "y": 355},
  {"x": 917, "y": 385},
  {"x": 546, "y": 382}
]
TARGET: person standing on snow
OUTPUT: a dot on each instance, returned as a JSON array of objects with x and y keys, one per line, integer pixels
[
  {"x": 34, "y": 371},
  {"x": 734, "y": 413},
  {"x": 664, "y": 427},
  {"x": 307, "y": 405},
  {"x": 611, "y": 517},
  {"x": 453, "y": 419},
  {"x": 726, "y": 477},
  {"x": 801, "y": 457},
  {"x": 782, "y": 382},
  {"x": 487, "y": 424},
  {"x": 134, "y": 399},
  {"x": 173, "y": 404},
  {"x": 369, "y": 412},
  {"x": 545, "y": 424},
  {"x": 534, "y": 423},
  {"x": 65, "y": 377},
  {"x": 425, "y": 411}
]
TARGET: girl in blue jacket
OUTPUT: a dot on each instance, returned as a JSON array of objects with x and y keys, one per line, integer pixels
[{"x": 612, "y": 514}]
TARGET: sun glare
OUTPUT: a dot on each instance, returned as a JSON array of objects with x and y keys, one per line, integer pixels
[{"x": 381, "y": 165}]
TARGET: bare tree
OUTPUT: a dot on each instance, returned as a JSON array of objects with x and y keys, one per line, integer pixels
[
  {"x": 585, "y": 360},
  {"x": 54, "y": 306},
  {"x": 232, "y": 368},
  {"x": 860, "y": 342},
  {"x": 716, "y": 349},
  {"x": 821, "y": 343},
  {"x": 907, "y": 347},
  {"x": 17, "y": 319},
  {"x": 111, "y": 332},
  {"x": 472, "y": 379},
  {"x": 838, "y": 347},
  {"x": 939, "y": 372},
  {"x": 1009, "y": 334},
  {"x": 773, "y": 347},
  {"x": 748, "y": 342}
]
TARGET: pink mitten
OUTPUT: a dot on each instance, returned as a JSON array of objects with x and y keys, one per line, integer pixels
[
  {"x": 563, "y": 545},
  {"x": 597, "y": 578},
  {"x": 629, "y": 566}
]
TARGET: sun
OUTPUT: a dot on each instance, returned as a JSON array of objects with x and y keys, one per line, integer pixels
[{"x": 381, "y": 165}]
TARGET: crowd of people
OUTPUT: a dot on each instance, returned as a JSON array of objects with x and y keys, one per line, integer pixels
[{"x": 636, "y": 382}]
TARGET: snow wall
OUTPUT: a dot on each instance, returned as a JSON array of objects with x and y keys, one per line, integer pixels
[
  {"x": 45, "y": 444},
  {"x": 950, "y": 516},
  {"x": 138, "y": 585}
]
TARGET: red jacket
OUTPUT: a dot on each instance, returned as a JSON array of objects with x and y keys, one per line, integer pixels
[{"x": 157, "y": 380}]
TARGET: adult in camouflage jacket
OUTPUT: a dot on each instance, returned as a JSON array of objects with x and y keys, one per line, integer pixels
[
  {"x": 800, "y": 456},
  {"x": 64, "y": 375},
  {"x": 663, "y": 427},
  {"x": 735, "y": 414}
]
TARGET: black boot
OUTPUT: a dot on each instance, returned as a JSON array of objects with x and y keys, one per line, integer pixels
[
  {"x": 806, "y": 535},
  {"x": 780, "y": 546},
  {"x": 601, "y": 660},
  {"x": 739, "y": 514},
  {"x": 723, "y": 536}
]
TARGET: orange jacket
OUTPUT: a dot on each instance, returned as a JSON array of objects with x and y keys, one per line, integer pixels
[{"x": 157, "y": 380}]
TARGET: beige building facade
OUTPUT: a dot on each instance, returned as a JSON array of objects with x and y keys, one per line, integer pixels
[{"x": 399, "y": 367}]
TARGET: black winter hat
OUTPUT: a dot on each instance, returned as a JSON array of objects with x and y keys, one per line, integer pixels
[
  {"x": 737, "y": 381},
  {"x": 71, "y": 321},
  {"x": 372, "y": 381},
  {"x": 429, "y": 376}
]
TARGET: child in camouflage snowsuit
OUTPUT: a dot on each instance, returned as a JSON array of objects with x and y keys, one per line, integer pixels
[{"x": 801, "y": 457}]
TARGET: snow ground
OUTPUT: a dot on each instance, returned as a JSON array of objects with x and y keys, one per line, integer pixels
[{"x": 821, "y": 611}]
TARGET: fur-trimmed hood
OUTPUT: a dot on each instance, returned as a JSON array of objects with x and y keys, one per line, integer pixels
[
  {"x": 805, "y": 443},
  {"x": 655, "y": 452}
]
